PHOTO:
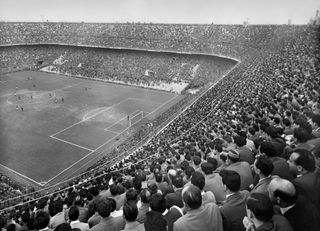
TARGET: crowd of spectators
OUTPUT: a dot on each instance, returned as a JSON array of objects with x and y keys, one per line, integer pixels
[{"x": 245, "y": 156}]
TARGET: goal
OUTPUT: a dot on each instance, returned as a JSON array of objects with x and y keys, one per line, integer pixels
[{"x": 135, "y": 118}]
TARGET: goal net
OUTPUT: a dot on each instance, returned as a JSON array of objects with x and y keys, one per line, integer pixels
[{"x": 135, "y": 118}]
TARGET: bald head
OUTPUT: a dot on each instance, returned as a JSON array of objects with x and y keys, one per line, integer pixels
[
  {"x": 191, "y": 196},
  {"x": 282, "y": 192}
]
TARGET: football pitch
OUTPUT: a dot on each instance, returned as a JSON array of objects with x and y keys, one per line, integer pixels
[{"x": 52, "y": 125}]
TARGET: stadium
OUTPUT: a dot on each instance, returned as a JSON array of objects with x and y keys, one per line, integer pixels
[{"x": 93, "y": 111}]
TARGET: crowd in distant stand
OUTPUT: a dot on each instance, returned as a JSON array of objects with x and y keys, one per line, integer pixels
[{"x": 245, "y": 156}]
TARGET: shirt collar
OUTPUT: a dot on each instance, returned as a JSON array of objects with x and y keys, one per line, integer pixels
[
  {"x": 74, "y": 222},
  {"x": 230, "y": 194},
  {"x": 286, "y": 209}
]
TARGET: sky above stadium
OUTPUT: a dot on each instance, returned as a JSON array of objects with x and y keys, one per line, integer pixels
[{"x": 161, "y": 11}]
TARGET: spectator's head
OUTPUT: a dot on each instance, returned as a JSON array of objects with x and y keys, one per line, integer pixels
[
  {"x": 301, "y": 161},
  {"x": 152, "y": 186},
  {"x": 301, "y": 135},
  {"x": 132, "y": 195},
  {"x": 73, "y": 213},
  {"x": 177, "y": 181},
  {"x": 240, "y": 141},
  {"x": 113, "y": 189},
  {"x": 213, "y": 161},
  {"x": 12, "y": 227},
  {"x": 159, "y": 177},
  {"x": 260, "y": 207},
  {"x": 315, "y": 120},
  {"x": 207, "y": 168},
  {"x": 231, "y": 180},
  {"x": 41, "y": 220},
  {"x": 63, "y": 227},
  {"x": 196, "y": 160},
  {"x": 158, "y": 203},
  {"x": 268, "y": 148},
  {"x": 94, "y": 191},
  {"x": 130, "y": 212},
  {"x": 104, "y": 208},
  {"x": 145, "y": 195},
  {"x": 272, "y": 132},
  {"x": 188, "y": 171},
  {"x": 263, "y": 166},
  {"x": 25, "y": 217},
  {"x": 191, "y": 197},
  {"x": 282, "y": 192},
  {"x": 198, "y": 180},
  {"x": 233, "y": 156}
]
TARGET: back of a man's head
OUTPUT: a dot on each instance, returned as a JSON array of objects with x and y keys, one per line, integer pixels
[
  {"x": 282, "y": 192},
  {"x": 41, "y": 220},
  {"x": 104, "y": 208},
  {"x": 177, "y": 181},
  {"x": 73, "y": 213},
  {"x": 264, "y": 165},
  {"x": 305, "y": 159},
  {"x": 231, "y": 179},
  {"x": 132, "y": 195},
  {"x": 191, "y": 196},
  {"x": 130, "y": 211},
  {"x": 261, "y": 206},
  {"x": 198, "y": 180},
  {"x": 268, "y": 148},
  {"x": 157, "y": 202}
]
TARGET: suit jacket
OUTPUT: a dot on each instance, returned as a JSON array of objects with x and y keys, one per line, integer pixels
[
  {"x": 110, "y": 223},
  {"x": 262, "y": 186},
  {"x": 245, "y": 172},
  {"x": 213, "y": 183},
  {"x": 308, "y": 185},
  {"x": 174, "y": 199},
  {"x": 80, "y": 225},
  {"x": 303, "y": 215},
  {"x": 173, "y": 214},
  {"x": 246, "y": 154},
  {"x": 207, "y": 217},
  {"x": 142, "y": 212},
  {"x": 234, "y": 210}
]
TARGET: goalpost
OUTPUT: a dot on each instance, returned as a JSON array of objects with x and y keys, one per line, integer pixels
[{"x": 133, "y": 119}]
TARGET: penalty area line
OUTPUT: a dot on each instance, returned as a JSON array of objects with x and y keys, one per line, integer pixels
[{"x": 79, "y": 146}]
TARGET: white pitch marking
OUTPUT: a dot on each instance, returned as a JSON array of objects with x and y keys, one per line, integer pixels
[
  {"x": 83, "y": 120},
  {"x": 24, "y": 176},
  {"x": 106, "y": 129},
  {"x": 71, "y": 143}
]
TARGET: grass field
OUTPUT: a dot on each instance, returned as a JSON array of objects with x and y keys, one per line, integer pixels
[{"x": 64, "y": 120}]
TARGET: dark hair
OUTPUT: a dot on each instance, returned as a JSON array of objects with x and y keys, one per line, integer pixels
[
  {"x": 192, "y": 197},
  {"x": 63, "y": 227},
  {"x": 11, "y": 227},
  {"x": 196, "y": 159},
  {"x": 130, "y": 211},
  {"x": 261, "y": 206},
  {"x": 25, "y": 216},
  {"x": 132, "y": 195},
  {"x": 158, "y": 176},
  {"x": 188, "y": 171},
  {"x": 268, "y": 148},
  {"x": 301, "y": 134},
  {"x": 198, "y": 180},
  {"x": 286, "y": 197},
  {"x": 157, "y": 202},
  {"x": 113, "y": 204},
  {"x": 104, "y": 207},
  {"x": 213, "y": 161},
  {"x": 137, "y": 182},
  {"x": 305, "y": 159},
  {"x": 264, "y": 164},
  {"x": 113, "y": 189},
  {"x": 73, "y": 213},
  {"x": 94, "y": 191},
  {"x": 316, "y": 119},
  {"x": 272, "y": 131},
  {"x": 231, "y": 179},
  {"x": 145, "y": 195},
  {"x": 240, "y": 141},
  {"x": 41, "y": 220},
  {"x": 177, "y": 181}
]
